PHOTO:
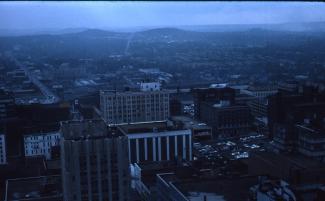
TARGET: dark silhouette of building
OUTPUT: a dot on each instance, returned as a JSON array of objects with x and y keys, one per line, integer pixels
[
  {"x": 202, "y": 95},
  {"x": 29, "y": 119},
  {"x": 175, "y": 106},
  {"x": 286, "y": 109}
]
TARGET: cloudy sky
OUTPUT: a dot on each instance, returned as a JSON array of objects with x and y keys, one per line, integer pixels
[{"x": 60, "y": 15}]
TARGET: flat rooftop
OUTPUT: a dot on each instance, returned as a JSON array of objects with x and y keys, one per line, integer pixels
[
  {"x": 155, "y": 165},
  {"x": 217, "y": 190},
  {"x": 219, "y": 106},
  {"x": 132, "y": 92},
  {"x": 149, "y": 170},
  {"x": 146, "y": 127},
  {"x": 45, "y": 188},
  {"x": 283, "y": 165},
  {"x": 194, "y": 188},
  {"x": 315, "y": 131},
  {"x": 80, "y": 129},
  {"x": 190, "y": 122},
  {"x": 263, "y": 88}
]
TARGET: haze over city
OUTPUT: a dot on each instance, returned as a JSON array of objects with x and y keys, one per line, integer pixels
[
  {"x": 109, "y": 15},
  {"x": 162, "y": 101}
]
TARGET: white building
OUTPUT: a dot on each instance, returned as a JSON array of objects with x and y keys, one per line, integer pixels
[
  {"x": 155, "y": 141},
  {"x": 3, "y": 158},
  {"x": 40, "y": 144},
  {"x": 150, "y": 86}
]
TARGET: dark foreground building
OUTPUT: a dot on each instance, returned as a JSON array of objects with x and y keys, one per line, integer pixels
[
  {"x": 287, "y": 109},
  {"x": 44, "y": 188},
  {"x": 94, "y": 162}
]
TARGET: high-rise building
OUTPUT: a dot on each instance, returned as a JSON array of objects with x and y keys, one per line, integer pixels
[
  {"x": 94, "y": 162},
  {"x": 3, "y": 153},
  {"x": 134, "y": 106},
  {"x": 286, "y": 109},
  {"x": 156, "y": 141}
]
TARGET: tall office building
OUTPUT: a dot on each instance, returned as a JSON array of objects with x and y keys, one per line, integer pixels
[
  {"x": 134, "y": 106},
  {"x": 94, "y": 162}
]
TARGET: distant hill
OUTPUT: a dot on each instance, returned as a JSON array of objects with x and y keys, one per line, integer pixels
[
  {"x": 97, "y": 43},
  {"x": 298, "y": 27},
  {"x": 163, "y": 31},
  {"x": 27, "y": 32},
  {"x": 98, "y": 33},
  {"x": 294, "y": 27}
]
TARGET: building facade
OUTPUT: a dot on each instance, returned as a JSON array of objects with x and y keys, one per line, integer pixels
[
  {"x": 93, "y": 162},
  {"x": 260, "y": 91},
  {"x": 7, "y": 103},
  {"x": 156, "y": 141},
  {"x": 40, "y": 144},
  {"x": 227, "y": 121},
  {"x": 3, "y": 153},
  {"x": 259, "y": 107},
  {"x": 130, "y": 106}
]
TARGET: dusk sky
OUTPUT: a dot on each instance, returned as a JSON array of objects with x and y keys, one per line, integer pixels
[{"x": 60, "y": 15}]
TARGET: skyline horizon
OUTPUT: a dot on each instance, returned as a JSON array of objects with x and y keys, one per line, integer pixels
[
  {"x": 167, "y": 26},
  {"x": 103, "y": 15}
]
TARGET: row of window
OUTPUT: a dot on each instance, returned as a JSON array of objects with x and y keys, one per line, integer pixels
[{"x": 37, "y": 151}]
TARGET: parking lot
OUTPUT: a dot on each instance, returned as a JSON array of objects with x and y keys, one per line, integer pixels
[{"x": 229, "y": 149}]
